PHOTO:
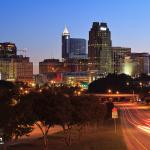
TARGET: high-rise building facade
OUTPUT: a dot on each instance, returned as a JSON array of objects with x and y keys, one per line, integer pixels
[
  {"x": 76, "y": 65},
  {"x": 120, "y": 55},
  {"x": 65, "y": 44},
  {"x": 129, "y": 67},
  {"x": 51, "y": 65},
  {"x": 8, "y": 49},
  {"x": 14, "y": 67},
  {"x": 99, "y": 48},
  {"x": 142, "y": 63},
  {"x": 73, "y": 47},
  {"x": 77, "y": 48},
  {"x": 23, "y": 69},
  {"x": 6, "y": 69}
]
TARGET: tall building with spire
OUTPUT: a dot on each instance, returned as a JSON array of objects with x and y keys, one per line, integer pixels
[
  {"x": 73, "y": 48},
  {"x": 99, "y": 49},
  {"x": 65, "y": 43}
]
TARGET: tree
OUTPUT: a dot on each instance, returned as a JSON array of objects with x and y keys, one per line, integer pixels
[
  {"x": 8, "y": 91},
  {"x": 49, "y": 108},
  {"x": 11, "y": 123},
  {"x": 114, "y": 82},
  {"x": 45, "y": 109},
  {"x": 38, "y": 110},
  {"x": 87, "y": 110},
  {"x": 63, "y": 115}
]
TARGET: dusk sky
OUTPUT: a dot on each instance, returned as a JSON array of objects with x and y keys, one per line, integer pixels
[{"x": 38, "y": 24}]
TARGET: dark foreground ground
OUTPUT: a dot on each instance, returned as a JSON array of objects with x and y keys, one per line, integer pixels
[{"x": 102, "y": 138}]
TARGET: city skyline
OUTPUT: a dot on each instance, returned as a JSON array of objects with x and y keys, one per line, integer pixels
[
  {"x": 38, "y": 25},
  {"x": 75, "y": 74}
]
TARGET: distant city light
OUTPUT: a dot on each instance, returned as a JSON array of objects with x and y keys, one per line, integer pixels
[
  {"x": 109, "y": 91},
  {"x": 103, "y": 28},
  {"x": 128, "y": 69},
  {"x": 117, "y": 92}
]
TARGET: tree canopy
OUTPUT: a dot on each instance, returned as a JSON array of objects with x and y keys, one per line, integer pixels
[{"x": 112, "y": 81}]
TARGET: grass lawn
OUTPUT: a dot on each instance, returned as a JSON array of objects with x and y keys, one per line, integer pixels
[{"x": 102, "y": 138}]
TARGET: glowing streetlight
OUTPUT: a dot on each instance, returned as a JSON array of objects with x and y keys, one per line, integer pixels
[
  {"x": 79, "y": 93},
  {"x": 33, "y": 85},
  {"x": 40, "y": 90},
  {"x": 109, "y": 91},
  {"x": 117, "y": 92},
  {"x": 26, "y": 91},
  {"x": 21, "y": 88},
  {"x": 140, "y": 84}
]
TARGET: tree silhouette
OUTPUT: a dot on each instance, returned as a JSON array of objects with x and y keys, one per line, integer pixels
[{"x": 11, "y": 123}]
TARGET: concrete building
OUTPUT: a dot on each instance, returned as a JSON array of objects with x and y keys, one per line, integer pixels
[
  {"x": 136, "y": 64},
  {"x": 68, "y": 65},
  {"x": 129, "y": 67},
  {"x": 14, "y": 67},
  {"x": 120, "y": 54},
  {"x": 76, "y": 65},
  {"x": 18, "y": 68},
  {"x": 142, "y": 62},
  {"x": 53, "y": 70},
  {"x": 50, "y": 65}
]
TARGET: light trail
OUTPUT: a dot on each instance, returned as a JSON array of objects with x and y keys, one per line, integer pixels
[
  {"x": 135, "y": 126},
  {"x": 144, "y": 128}
]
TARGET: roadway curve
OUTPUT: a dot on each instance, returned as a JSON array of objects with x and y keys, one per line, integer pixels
[{"x": 135, "y": 122}]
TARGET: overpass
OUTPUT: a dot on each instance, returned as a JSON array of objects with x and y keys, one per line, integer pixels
[{"x": 110, "y": 95}]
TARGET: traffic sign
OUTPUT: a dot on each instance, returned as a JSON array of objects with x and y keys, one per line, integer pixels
[
  {"x": 114, "y": 113},
  {"x": 114, "y": 109},
  {"x": 115, "y": 116}
]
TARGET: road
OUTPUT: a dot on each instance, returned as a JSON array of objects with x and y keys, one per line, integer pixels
[
  {"x": 36, "y": 133},
  {"x": 135, "y": 120}
]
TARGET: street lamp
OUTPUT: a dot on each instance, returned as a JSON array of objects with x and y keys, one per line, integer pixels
[
  {"x": 40, "y": 90},
  {"x": 21, "y": 88},
  {"x": 117, "y": 92},
  {"x": 33, "y": 85},
  {"x": 140, "y": 84},
  {"x": 26, "y": 91},
  {"x": 79, "y": 93},
  {"x": 109, "y": 91}
]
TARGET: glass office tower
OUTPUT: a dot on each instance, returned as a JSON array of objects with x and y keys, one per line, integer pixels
[{"x": 99, "y": 48}]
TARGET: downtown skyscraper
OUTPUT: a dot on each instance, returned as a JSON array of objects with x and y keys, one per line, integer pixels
[
  {"x": 65, "y": 43},
  {"x": 73, "y": 48},
  {"x": 99, "y": 49}
]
